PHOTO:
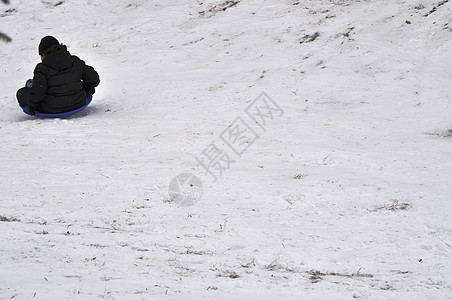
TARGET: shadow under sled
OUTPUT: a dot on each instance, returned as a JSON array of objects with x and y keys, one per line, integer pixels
[{"x": 89, "y": 97}]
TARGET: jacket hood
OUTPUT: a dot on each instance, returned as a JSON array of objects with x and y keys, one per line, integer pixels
[{"x": 58, "y": 60}]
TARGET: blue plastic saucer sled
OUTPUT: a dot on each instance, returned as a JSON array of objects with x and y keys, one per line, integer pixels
[{"x": 89, "y": 97}]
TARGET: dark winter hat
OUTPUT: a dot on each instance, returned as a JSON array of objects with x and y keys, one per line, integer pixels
[{"x": 46, "y": 43}]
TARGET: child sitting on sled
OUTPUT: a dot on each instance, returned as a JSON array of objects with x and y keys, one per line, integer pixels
[{"x": 61, "y": 81}]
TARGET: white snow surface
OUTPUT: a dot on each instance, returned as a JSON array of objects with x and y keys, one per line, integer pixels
[{"x": 365, "y": 87}]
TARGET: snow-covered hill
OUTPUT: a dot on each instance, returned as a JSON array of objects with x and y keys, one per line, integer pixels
[{"x": 344, "y": 193}]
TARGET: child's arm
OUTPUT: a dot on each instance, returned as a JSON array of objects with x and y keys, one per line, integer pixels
[
  {"x": 38, "y": 89},
  {"x": 90, "y": 79}
]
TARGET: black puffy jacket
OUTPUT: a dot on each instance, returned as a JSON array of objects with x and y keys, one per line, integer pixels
[{"x": 60, "y": 83}]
